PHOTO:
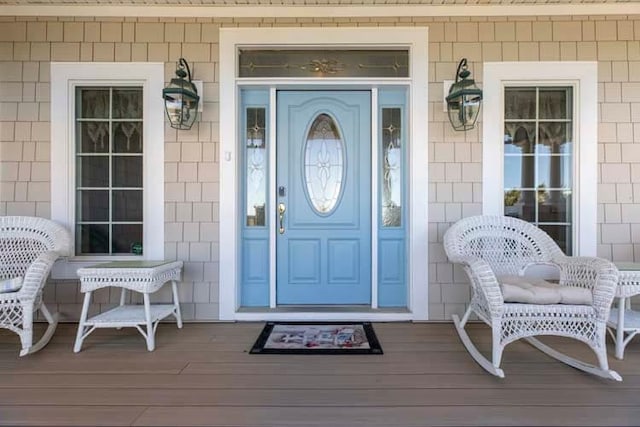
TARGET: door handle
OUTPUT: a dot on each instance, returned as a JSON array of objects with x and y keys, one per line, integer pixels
[{"x": 281, "y": 209}]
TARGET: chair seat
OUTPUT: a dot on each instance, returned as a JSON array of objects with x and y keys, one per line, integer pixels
[{"x": 531, "y": 290}]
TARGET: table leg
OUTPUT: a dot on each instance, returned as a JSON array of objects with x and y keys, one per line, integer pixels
[
  {"x": 620, "y": 329},
  {"x": 151, "y": 345},
  {"x": 123, "y": 296},
  {"x": 83, "y": 318},
  {"x": 176, "y": 303}
]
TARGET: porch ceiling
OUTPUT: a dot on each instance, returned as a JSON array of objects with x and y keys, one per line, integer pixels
[{"x": 308, "y": 2}]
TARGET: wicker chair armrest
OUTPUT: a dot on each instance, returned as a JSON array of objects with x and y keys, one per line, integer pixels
[
  {"x": 36, "y": 275},
  {"x": 485, "y": 284},
  {"x": 597, "y": 274}
]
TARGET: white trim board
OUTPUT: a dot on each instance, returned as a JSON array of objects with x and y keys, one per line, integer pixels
[
  {"x": 583, "y": 76},
  {"x": 333, "y": 11},
  {"x": 65, "y": 77},
  {"x": 416, "y": 39}
]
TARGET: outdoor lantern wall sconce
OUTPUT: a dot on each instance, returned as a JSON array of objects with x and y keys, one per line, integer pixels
[
  {"x": 181, "y": 98},
  {"x": 464, "y": 99}
]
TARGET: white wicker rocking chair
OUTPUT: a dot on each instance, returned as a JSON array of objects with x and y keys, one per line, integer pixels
[
  {"x": 489, "y": 246},
  {"x": 28, "y": 248}
]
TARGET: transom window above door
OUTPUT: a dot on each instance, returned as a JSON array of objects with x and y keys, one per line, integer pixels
[
  {"x": 323, "y": 63},
  {"x": 538, "y": 159}
]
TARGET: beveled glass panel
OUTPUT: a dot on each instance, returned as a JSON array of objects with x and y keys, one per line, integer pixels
[
  {"x": 127, "y": 205},
  {"x": 554, "y": 206},
  {"x": 323, "y": 63},
  {"x": 92, "y": 205},
  {"x": 555, "y": 103},
  {"x": 391, "y": 167},
  {"x": 519, "y": 172},
  {"x": 554, "y": 138},
  {"x": 256, "y": 162},
  {"x": 127, "y": 103},
  {"x": 125, "y": 236},
  {"x": 323, "y": 164},
  {"x": 519, "y": 137},
  {"x": 92, "y": 171},
  {"x": 92, "y": 103},
  {"x": 562, "y": 234},
  {"x": 127, "y": 171},
  {"x": 520, "y": 204},
  {"x": 554, "y": 171},
  {"x": 520, "y": 103},
  {"x": 127, "y": 137},
  {"x": 92, "y": 239},
  {"x": 92, "y": 137}
]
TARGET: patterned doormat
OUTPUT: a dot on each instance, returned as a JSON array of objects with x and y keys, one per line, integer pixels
[{"x": 317, "y": 338}]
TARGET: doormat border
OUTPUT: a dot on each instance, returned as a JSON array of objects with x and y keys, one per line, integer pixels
[{"x": 374, "y": 344}]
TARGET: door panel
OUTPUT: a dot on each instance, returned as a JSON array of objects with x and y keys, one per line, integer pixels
[{"x": 324, "y": 181}]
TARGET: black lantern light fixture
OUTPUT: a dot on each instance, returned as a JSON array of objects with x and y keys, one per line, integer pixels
[
  {"x": 181, "y": 98},
  {"x": 464, "y": 99}
]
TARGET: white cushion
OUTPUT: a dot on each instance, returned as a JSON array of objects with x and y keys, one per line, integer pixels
[
  {"x": 10, "y": 285},
  {"x": 531, "y": 290}
]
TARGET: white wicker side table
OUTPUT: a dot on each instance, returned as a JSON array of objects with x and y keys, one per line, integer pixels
[
  {"x": 625, "y": 321},
  {"x": 145, "y": 277}
]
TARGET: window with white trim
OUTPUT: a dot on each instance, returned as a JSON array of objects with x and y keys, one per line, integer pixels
[
  {"x": 108, "y": 158},
  {"x": 540, "y": 148},
  {"x": 538, "y": 158}
]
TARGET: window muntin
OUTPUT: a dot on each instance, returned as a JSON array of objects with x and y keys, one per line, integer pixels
[
  {"x": 538, "y": 159},
  {"x": 109, "y": 170}
]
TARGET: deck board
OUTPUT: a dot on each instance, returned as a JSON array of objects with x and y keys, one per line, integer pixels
[{"x": 203, "y": 375}]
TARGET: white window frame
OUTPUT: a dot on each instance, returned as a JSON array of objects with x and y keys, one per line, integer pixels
[
  {"x": 65, "y": 78},
  {"x": 583, "y": 77}
]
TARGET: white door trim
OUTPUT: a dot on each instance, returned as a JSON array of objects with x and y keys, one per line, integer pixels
[{"x": 416, "y": 39}]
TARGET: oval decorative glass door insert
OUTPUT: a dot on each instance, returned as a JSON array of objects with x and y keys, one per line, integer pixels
[{"x": 324, "y": 164}]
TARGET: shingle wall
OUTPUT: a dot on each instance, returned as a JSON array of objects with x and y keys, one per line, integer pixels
[{"x": 28, "y": 45}]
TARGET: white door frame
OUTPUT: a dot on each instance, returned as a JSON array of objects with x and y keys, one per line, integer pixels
[{"x": 416, "y": 40}]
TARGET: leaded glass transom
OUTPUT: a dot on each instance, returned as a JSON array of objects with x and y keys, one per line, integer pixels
[
  {"x": 324, "y": 164},
  {"x": 323, "y": 63}
]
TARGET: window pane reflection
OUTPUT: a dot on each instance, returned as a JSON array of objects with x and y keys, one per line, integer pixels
[
  {"x": 520, "y": 204},
  {"x": 556, "y": 103},
  {"x": 554, "y": 206},
  {"x": 562, "y": 234},
  {"x": 125, "y": 237},
  {"x": 554, "y": 172},
  {"x": 519, "y": 137},
  {"x": 518, "y": 171},
  {"x": 520, "y": 103},
  {"x": 554, "y": 138}
]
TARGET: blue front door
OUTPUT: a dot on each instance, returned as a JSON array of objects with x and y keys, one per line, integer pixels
[{"x": 323, "y": 186}]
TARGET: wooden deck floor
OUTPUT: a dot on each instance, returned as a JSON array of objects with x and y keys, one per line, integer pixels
[{"x": 202, "y": 375}]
